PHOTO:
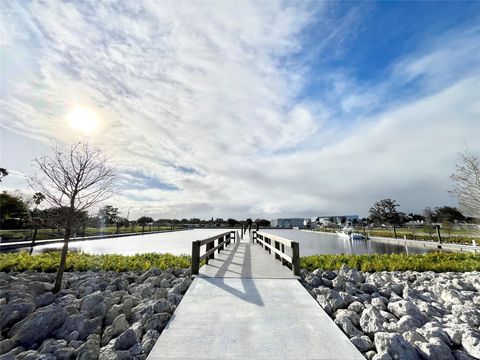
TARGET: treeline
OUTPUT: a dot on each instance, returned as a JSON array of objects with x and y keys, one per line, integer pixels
[{"x": 18, "y": 212}]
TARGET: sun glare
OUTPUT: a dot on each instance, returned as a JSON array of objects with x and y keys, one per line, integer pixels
[{"x": 83, "y": 119}]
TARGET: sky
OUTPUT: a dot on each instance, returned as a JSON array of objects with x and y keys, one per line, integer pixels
[{"x": 247, "y": 109}]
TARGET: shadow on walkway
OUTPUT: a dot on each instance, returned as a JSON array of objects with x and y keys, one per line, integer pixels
[{"x": 250, "y": 292}]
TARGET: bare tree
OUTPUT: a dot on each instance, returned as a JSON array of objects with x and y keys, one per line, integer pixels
[
  {"x": 467, "y": 185},
  {"x": 74, "y": 179}
]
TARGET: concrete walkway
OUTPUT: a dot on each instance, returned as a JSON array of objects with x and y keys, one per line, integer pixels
[
  {"x": 247, "y": 261},
  {"x": 243, "y": 306}
]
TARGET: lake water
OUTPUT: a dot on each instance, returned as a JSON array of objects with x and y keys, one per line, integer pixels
[
  {"x": 180, "y": 242},
  {"x": 176, "y": 242},
  {"x": 322, "y": 243}
]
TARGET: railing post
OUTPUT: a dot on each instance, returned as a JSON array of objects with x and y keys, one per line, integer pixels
[
  {"x": 195, "y": 257},
  {"x": 277, "y": 246},
  {"x": 220, "y": 240},
  {"x": 439, "y": 237},
  {"x": 295, "y": 258}
]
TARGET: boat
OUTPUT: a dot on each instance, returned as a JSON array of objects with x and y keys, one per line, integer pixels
[{"x": 347, "y": 232}]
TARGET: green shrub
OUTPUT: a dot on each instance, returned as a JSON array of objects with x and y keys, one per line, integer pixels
[
  {"x": 49, "y": 261},
  {"x": 434, "y": 261}
]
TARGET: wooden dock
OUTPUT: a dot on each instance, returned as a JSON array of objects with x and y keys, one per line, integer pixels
[{"x": 244, "y": 304}]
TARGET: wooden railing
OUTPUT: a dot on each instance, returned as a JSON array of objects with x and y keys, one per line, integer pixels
[
  {"x": 222, "y": 240},
  {"x": 276, "y": 244}
]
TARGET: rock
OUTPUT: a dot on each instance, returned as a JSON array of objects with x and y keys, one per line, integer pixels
[
  {"x": 404, "y": 307},
  {"x": 113, "y": 313},
  {"x": 434, "y": 330},
  {"x": 136, "y": 349},
  {"x": 48, "y": 319},
  {"x": 142, "y": 310},
  {"x": 162, "y": 306},
  {"x": 330, "y": 275},
  {"x": 6, "y": 345},
  {"x": 44, "y": 299},
  {"x": 455, "y": 332},
  {"x": 149, "y": 340},
  {"x": 75, "y": 343},
  {"x": 362, "y": 343},
  {"x": 355, "y": 276},
  {"x": 397, "y": 289},
  {"x": 82, "y": 324},
  {"x": 471, "y": 343},
  {"x": 32, "y": 355},
  {"x": 174, "y": 298},
  {"x": 165, "y": 284},
  {"x": 379, "y": 303},
  {"x": 137, "y": 328},
  {"x": 182, "y": 287},
  {"x": 126, "y": 340},
  {"x": 435, "y": 349},
  {"x": 13, "y": 312},
  {"x": 109, "y": 353},
  {"x": 368, "y": 288},
  {"x": 160, "y": 293},
  {"x": 412, "y": 337},
  {"x": 349, "y": 314},
  {"x": 395, "y": 345},
  {"x": 145, "y": 290},
  {"x": 451, "y": 297},
  {"x": 90, "y": 349},
  {"x": 37, "y": 288},
  {"x": 157, "y": 322},
  {"x": 339, "y": 282},
  {"x": 356, "y": 306},
  {"x": 406, "y": 323},
  {"x": 94, "y": 305},
  {"x": 384, "y": 356},
  {"x": 388, "y": 316},
  {"x": 460, "y": 355},
  {"x": 348, "y": 328},
  {"x": 119, "y": 325},
  {"x": 51, "y": 345},
  {"x": 315, "y": 281},
  {"x": 371, "y": 321}
]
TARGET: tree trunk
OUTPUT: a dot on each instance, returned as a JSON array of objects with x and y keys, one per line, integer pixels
[
  {"x": 33, "y": 240},
  {"x": 63, "y": 259},
  {"x": 143, "y": 228}
]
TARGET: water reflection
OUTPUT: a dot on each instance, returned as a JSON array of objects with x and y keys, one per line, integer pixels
[
  {"x": 177, "y": 243},
  {"x": 322, "y": 243}
]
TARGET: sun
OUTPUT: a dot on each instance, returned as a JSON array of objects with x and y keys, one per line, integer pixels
[{"x": 83, "y": 119}]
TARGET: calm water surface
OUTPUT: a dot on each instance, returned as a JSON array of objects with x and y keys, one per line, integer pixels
[
  {"x": 177, "y": 243},
  {"x": 322, "y": 243},
  {"x": 180, "y": 242}
]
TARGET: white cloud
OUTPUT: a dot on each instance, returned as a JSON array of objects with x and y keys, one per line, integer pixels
[{"x": 215, "y": 89}]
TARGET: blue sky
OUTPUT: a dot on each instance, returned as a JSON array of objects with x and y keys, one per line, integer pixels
[{"x": 258, "y": 109}]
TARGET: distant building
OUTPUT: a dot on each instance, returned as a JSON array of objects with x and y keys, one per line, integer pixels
[
  {"x": 324, "y": 219},
  {"x": 287, "y": 223}
]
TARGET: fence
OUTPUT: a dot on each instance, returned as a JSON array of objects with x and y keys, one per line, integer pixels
[
  {"x": 222, "y": 240},
  {"x": 276, "y": 244}
]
